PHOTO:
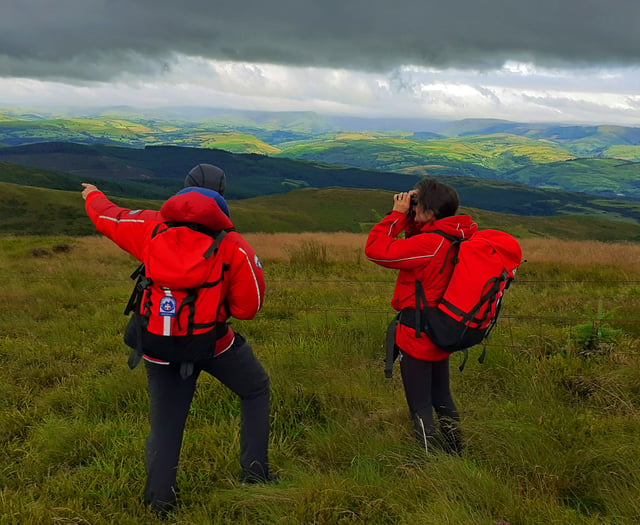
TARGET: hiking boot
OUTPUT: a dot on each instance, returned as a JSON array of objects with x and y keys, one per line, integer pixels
[
  {"x": 452, "y": 438},
  {"x": 248, "y": 477},
  {"x": 426, "y": 441},
  {"x": 161, "y": 505},
  {"x": 162, "y": 509}
]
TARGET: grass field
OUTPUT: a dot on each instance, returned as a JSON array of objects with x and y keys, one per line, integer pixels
[{"x": 551, "y": 420}]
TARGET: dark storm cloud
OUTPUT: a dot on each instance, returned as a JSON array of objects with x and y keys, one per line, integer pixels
[{"x": 100, "y": 39}]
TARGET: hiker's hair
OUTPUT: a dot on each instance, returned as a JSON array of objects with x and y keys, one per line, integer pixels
[{"x": 440, "y": 198}]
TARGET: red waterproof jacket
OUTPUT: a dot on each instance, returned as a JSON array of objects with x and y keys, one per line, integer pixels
[
  {"x": 418, "y": 256},
  {"x": 243, "y": 286}
]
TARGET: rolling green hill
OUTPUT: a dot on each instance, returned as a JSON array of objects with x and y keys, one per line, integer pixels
[
  {"x": 147, "y": 188},
  {"x": 481, "y": 148},
  {"x": 582, "y": 141},
  {"x": 158, "y": 172},
  {"x": 28, "y": 210},
  {"x": 590, "y": 140},
  {"x": 536, "y": 163},
  {"x": 107, "y": 130},
  {"x": 139, "y": 132},
  {"x": 607, "y": 177},
  {"x": 631, "y": 153},
  {"x": 476, "y": 155},
  {"x": 192, "y": 126}
]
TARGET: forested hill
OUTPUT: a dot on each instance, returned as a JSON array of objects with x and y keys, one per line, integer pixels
[
  {"x": 28, "y": 210},
  {"x": 157, "y": 172}
]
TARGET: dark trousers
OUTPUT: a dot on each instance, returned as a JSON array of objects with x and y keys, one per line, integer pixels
[
  {"x": 426, "y": 387},
  {"x": 170, "y": 399}
]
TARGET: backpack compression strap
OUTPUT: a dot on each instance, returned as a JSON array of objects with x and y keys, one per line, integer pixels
[
  {"x": 190, "y": 302},
  {"x": 470, "y": 317}
]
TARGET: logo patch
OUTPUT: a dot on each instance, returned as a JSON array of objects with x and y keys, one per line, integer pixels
[
  {"x": 257, "y": 262},
  {"x": 133, "y": 212},
  {"x": 167, "y": 307}
]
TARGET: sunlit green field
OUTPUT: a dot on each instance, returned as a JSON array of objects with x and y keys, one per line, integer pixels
[
  {"x": 551, "y": 419},
  {"x": 496, "y": 151}
]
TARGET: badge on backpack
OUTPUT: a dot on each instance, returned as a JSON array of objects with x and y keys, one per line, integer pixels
[{"x": 167, "y": 307}]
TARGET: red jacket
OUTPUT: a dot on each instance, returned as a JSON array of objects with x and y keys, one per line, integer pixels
[
  {"x": 418, "y": 256},
  {"x": 131, "y": 230}
]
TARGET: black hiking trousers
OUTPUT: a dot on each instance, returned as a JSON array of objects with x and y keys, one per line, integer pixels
[
  {"x": 170, "y": 399},
  {"x": 426, "y": 387}
]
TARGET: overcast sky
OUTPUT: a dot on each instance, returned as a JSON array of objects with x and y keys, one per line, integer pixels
[{"x": 533, "y": 60}]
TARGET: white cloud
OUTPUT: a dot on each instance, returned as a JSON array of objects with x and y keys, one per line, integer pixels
[{"x": 516, "y": 91}]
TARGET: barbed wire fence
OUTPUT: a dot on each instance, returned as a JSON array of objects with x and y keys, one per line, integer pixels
[{"x": 513, "y": 331}]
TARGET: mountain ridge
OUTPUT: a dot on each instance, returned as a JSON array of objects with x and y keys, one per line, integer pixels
[
  {"x": 28, "y": 210},
  {"x": 158, "y": 172}
]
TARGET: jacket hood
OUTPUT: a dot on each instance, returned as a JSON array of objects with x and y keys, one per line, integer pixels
[
  {"x": 198, "y": 205},
  {"x": 461, "y": 226}
]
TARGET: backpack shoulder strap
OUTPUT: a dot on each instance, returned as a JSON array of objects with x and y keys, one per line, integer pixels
[
  {"x": 455, "y": 245},
  {"x": 447, "y": 236},
  {"x": 213, "y": 249},
  {"x": 157, "y": 227}
]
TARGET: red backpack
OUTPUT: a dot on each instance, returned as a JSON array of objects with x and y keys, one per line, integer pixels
[
  {"x": 177, "y": 296},
  {"x": 483, "y": 267}
]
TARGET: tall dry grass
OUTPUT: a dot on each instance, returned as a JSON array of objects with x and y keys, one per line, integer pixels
[
  {"x": 588, "y": 253},
  {"x": 342, "y": 246}
]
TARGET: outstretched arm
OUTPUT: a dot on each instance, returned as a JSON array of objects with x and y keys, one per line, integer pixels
[{"x": 127, "y": 228}]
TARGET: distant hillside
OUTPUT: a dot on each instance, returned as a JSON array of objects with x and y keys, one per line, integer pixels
[
  {"x": 481, "y": 148},
  {"x": 157, "y": 172},
  {"x": 144, "y": 187},
  {"x": 606, "y": 177},
  {"x": 249, "y": 175},
  {"x": 185, "y": 126},
  {"x": 631, "y": 153},
  {"x": 486, "y": 156},
  {"x": 27, "y": 210},
  {"x": 37, "y": 211},
  {"x": 536, "y": 163},
  {"x": 254, "y": 133},
  {"x": 580, "y": 140}
]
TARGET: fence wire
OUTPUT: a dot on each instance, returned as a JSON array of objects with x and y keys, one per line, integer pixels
[{"x": 512, "y": 330}]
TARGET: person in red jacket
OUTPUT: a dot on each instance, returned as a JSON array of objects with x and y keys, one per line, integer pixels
[
  {"x": 419, "y": 255},
  {"x": 232, "y": 360}
]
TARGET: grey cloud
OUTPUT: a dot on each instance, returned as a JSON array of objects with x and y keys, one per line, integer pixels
[
  {"x": 103, "y": 39},
  {"x": 488, "y": 94}
]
